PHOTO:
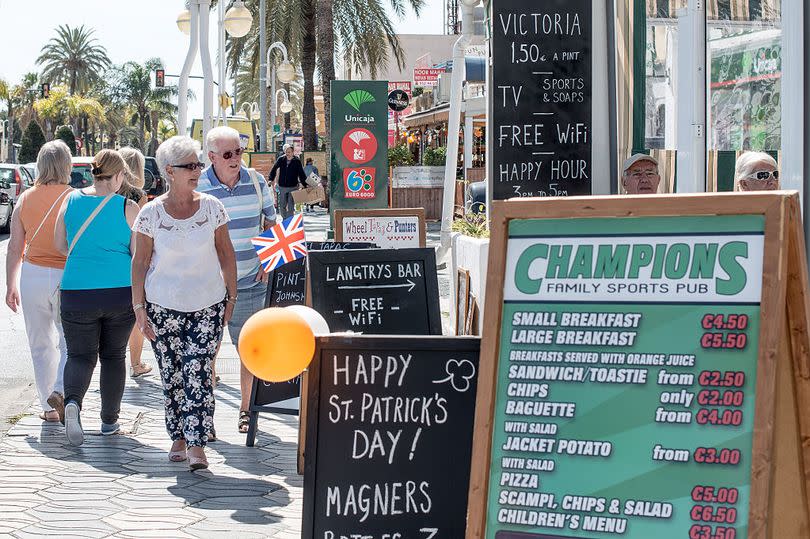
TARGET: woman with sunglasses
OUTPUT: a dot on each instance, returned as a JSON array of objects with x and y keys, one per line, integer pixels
[
  {"x": 183, "y": 292},
  {"x": 756, "y": 171}
]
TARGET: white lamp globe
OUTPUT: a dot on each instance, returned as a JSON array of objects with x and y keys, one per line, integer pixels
[
  {"x": 285, "y": 72},
  {"x": 470, "y": 3},
  {"x": 184, "y": 22},
  {"x": 286, "y": 107},
  {"x": 238, "y": 20}
]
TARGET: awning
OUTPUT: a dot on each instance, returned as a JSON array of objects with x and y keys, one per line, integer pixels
[{"x": 435, "y": 115}]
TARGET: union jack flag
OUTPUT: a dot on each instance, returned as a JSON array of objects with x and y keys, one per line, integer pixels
[{"x": 282, "y": 243}]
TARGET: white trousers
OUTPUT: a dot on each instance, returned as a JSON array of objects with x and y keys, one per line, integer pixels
[{"x": 39, "y": 296}]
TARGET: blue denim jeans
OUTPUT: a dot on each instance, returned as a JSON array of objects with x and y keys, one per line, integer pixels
[{"x": 248, "y": 302}]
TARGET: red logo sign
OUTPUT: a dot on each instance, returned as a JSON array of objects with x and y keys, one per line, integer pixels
[
  {"x": 359, "y": 182},
  {"x": 359, "y": 146}
]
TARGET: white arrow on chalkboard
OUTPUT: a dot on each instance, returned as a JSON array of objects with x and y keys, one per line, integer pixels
[{"x": 410, "y": 285}]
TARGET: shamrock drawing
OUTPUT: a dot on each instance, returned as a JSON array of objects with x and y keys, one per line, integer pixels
[{"x": 459, "y": 374}]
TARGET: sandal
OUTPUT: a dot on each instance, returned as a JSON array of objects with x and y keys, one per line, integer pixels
[
  {"x": 197, "y": 462},
  {"x": 140, "y": 369},
  {"x": 51, "y": 416},
  {"x": 178, "y": 456},
  {"x": 244, "y": 421}
]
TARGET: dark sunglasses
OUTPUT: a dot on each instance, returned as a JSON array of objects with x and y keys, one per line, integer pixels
[
  {"x": 191, "y": 166},
  {"x": 230, "y": 153},
  {"x": 764, "y": 175}
]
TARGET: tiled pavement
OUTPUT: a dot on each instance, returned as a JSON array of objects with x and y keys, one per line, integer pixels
[{"x": 124, "y": 485}]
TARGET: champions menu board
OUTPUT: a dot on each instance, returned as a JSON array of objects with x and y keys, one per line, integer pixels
[
  {"x": 389, "y": 437},
  {"x": 633, "y": 365},
  {"x": 541, "y": 98}
]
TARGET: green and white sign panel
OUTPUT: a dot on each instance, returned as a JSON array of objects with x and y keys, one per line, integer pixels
[
  {"x": 626, "y": 377},
  {"x": 359, "y": 131}
]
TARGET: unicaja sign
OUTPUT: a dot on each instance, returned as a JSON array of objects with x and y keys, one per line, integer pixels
[{"x": 356, "y": 99}]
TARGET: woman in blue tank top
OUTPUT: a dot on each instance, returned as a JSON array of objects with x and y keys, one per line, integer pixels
[{"x": 93, "y": 230}]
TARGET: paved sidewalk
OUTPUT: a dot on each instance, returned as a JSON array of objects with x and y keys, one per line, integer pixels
[{"x": 124, "y": 485}]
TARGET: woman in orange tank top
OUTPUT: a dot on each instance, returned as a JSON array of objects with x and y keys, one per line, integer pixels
[{"x": 37, "y": 265}]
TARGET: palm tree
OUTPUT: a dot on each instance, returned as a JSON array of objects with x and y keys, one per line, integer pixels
[
  {"x": 60, "y": 107},
  {"x": 73, "y": 57},
  {"x": 361, "y": 30},
  {"x": 132, "y": 85}
]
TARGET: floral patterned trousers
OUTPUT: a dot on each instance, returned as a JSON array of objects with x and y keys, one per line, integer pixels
[{"x": 185, "y": 347}]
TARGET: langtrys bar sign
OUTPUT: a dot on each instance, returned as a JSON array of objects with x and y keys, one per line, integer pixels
[{"x": 541, "y": 92}]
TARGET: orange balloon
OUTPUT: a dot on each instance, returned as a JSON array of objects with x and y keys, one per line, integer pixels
[{"x": 276, "y": 345}]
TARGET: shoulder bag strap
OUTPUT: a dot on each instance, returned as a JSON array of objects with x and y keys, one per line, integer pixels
[
  {"x": 88, "y": 221},
  {"x": 48, "y": 213},
  {"x": 255, "y": 179}
]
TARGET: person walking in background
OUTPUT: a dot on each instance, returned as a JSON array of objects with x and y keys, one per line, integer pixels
[
  {"x": 183, "y": 291},
  {"x": 248, "y": 201},
  {"x": 93, "y": 231},
  {"x": 133, "y": 190},
  {"x": 756, "y": 171},
  {"x": 291, "y": 176},
  {"x": 31, "y": 249}
]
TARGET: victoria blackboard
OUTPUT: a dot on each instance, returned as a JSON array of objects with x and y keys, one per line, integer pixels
[
  {"x": 541, "y": 98},
  {"x": 377, "y": 291},
  {"x": 287, "y": 287},
  {"x": 389, "y": 436}
]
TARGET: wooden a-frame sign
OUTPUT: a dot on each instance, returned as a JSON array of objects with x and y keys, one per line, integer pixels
[{"x": 779, "y": 451}]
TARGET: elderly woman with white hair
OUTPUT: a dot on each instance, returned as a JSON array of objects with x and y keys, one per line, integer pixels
[
  {"x": 756, "y": 171},
  {"x": 31, "y": 249},
  {"x": 183, "y": 292}
]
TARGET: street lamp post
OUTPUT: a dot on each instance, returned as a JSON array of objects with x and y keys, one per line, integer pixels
[
  {"x": 194, "y": 22},
  {"x": 285, "y": 74}
]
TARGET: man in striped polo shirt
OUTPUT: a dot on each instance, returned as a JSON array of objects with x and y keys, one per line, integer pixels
[{"x": 229, "y": 181}]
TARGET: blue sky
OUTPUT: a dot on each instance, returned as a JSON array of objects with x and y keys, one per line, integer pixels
[{"x": 127, "y": 33}]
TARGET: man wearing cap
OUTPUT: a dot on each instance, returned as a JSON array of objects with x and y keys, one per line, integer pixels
[{"x": 640, "y": 175}]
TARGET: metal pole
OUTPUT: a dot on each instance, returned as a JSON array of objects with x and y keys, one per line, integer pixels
[
  {"x": 454, "y": 126},
  {"x": 273, "y": 106},
  {"x": 223, "y": 114},
  {"x": 263, "y": 76},
  {"x": 182, "y": 98},
  {"x": 208, "y": 72}
]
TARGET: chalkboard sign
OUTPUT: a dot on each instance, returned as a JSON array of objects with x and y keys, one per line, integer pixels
[
  {"x": 377, "y": 291},
  {"x": 288, "y": 283},
  {"x": 541, "y": 98},
  {"x": 287, "y": 287},
  {"x": 389, "y": 436}
]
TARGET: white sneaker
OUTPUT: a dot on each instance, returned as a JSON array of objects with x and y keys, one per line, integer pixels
[{"x": 73, "y": 424}]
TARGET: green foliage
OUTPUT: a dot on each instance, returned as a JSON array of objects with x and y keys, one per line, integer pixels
[
  {"x": 417, "y": 91},
  {"x": 73, "y": 58},
  {"x": 472, "y": 224},
  {"x": 65, "y": 133},
  {"x": 400, "y": 156},
  {"x": 435, "y": 157},
  {"x": 32, "y": 141}
]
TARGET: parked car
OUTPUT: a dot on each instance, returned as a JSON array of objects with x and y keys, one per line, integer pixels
[
  {"x": 5, "y": 209},
  {"x": 81, "y": 175},
  {"x": 154, "y": 185},
  {"x": 18, "y": 179},
  {"x": 32, "y": 169}
]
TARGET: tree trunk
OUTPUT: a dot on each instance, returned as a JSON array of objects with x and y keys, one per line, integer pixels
[
  {"x": 142, "y": 130},
  {"x": 326, "y": 63},
  {"x": 287, "y": 116},
  {"x": 308, "y": 50}
]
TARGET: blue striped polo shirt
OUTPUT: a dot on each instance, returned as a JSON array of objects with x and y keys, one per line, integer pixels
[{"x": 242, "y": 206}]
